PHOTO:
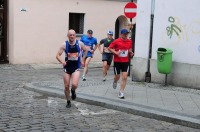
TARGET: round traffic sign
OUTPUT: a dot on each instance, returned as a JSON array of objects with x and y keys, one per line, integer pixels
[{"x": 130, "y": 10}]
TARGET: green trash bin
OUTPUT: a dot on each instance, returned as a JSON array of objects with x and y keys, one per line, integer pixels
[{"x": 164, "y": 60}]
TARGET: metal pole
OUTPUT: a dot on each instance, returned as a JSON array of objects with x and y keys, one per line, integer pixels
[
  {"x": 132, "y": 29},
  {"x": 151, "y": 33},
  {"x": 129, "y": 72},
  {"x": 148, "y": 73},
  {"x": 165, "y": 79}
]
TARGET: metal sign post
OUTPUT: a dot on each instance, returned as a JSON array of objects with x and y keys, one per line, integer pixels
[{"x": 130, "y": 12}]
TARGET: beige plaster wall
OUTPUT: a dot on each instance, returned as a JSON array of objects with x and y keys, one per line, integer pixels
[{"x": 36, "y": 34}]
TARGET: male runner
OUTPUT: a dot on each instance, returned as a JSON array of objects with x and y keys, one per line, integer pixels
[
  {"x": 107, "y": 56},
  {"x": 122, "y": 49},
  {"x": 89, "y": 41},
  {"x": 71, "y": 64}
]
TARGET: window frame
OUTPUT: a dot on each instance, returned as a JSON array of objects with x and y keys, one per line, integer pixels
[{"x": 81, "y": 18}]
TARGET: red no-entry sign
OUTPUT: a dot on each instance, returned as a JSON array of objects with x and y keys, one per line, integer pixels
[{"x": 130, "y": 10}]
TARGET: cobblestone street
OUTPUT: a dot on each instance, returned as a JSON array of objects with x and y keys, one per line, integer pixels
[{"x": 23, "y": 110}]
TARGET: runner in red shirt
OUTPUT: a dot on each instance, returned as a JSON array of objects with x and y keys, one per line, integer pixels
[{"x": 122, "y": 49}]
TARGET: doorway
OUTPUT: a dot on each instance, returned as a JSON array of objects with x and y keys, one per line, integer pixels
[
  {"x": 117, "y": 28},
  {"x": 3, "y": 31},
  {"x": 120, "y": 23}
]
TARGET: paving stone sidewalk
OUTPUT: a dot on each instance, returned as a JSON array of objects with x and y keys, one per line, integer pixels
[{"x": 169, "y": 103}]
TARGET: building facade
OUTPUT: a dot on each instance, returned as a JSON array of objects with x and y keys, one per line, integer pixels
[
  {"x": 32, "y": 30},
  {"x": 36, "y": 28},
  {"x": 176, "y": 26}
]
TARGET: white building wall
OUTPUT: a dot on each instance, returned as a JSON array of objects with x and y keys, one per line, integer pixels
[
  {"x": 142, "y": 28},
  {"x": 185, "y": 44}
]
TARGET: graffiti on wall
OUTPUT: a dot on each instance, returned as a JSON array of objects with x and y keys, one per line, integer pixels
[
  {"x": 178, "y": 32},
  {"x": 173, "y": 28}
]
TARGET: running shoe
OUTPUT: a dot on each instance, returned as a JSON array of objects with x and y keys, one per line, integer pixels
[
  {"x": 121, "y": 95},
  {"x": 83, "y": 78},
  {"x": 114, "y": 84},
  {"x": 73, "y": 94},
  {"x": 104, "y": 79},
  {"x": 68, "y": 104}
]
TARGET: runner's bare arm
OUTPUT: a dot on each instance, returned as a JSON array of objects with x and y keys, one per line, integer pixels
[
  {"x": 95, "y": 47},
  {"x": 99, "y": 48},
  {"x": 113, "y": 51},
  {"x": 84, "y": 48},
  {"x": 59, "y": 53},
  {"x": 131, "y": 52}
]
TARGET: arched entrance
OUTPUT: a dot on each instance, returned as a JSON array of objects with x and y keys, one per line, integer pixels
[
  {"x": 3, "y": 31},
  {"x": 121, "y": 22}
]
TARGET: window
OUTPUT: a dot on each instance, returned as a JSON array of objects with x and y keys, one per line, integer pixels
[
  {"x": 76, "y": 22},
  {"x": 1, "y": 3}
]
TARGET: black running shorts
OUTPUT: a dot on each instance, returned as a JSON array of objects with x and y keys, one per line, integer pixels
[
  {"x": 121, "y": 66},
  {"x": 107, "y": 57},
  {"x": 70, "y": 71}
]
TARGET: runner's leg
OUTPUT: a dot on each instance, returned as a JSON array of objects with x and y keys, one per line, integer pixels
[
  {"x": 116, "y": 71},
  {"x": 116, "y": 78},
  {"x": 125, "y": 69},
  {"x": 109, "y": 61},
  {"x": 108, "y": 67},
  {"x": 104, "y": 68},
  {"x": 85, "y": 70},
  {"x": 66, "y": 79},
  {"x": 117, "y": 74},
  {"x": 75, "y": 80},
  {"x": 123, "y": 81}
]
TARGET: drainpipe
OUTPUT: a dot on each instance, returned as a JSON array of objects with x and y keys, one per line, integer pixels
[
  {"x": 132, "y": 36},
  {"x": 148, "y": 73}
]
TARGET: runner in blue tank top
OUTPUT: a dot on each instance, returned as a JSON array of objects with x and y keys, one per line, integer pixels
[
  {"x": 72, "y": 57},
  {"x": 71, "y": 64},
  {"x": 89, "y": 41}
]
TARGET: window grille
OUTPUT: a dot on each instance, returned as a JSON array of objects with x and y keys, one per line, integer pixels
[{"x": 76, "y": 22}]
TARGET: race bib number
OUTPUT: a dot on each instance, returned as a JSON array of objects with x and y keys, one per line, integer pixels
[
  {"x": 106, "y": 50},
  {"x": 123, "y": 53},
  {"x": 73, "y": 56}
]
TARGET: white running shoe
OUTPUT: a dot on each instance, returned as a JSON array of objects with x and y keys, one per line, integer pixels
[
  {"x": 121, "y": 95},
  {"x": 104, "y": 79},
  {"x": 114, "y": 84},
  {"x": 83, "y": 78}
]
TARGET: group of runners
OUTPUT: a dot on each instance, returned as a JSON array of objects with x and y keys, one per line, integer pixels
[{"x": 80, "y": 52}]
